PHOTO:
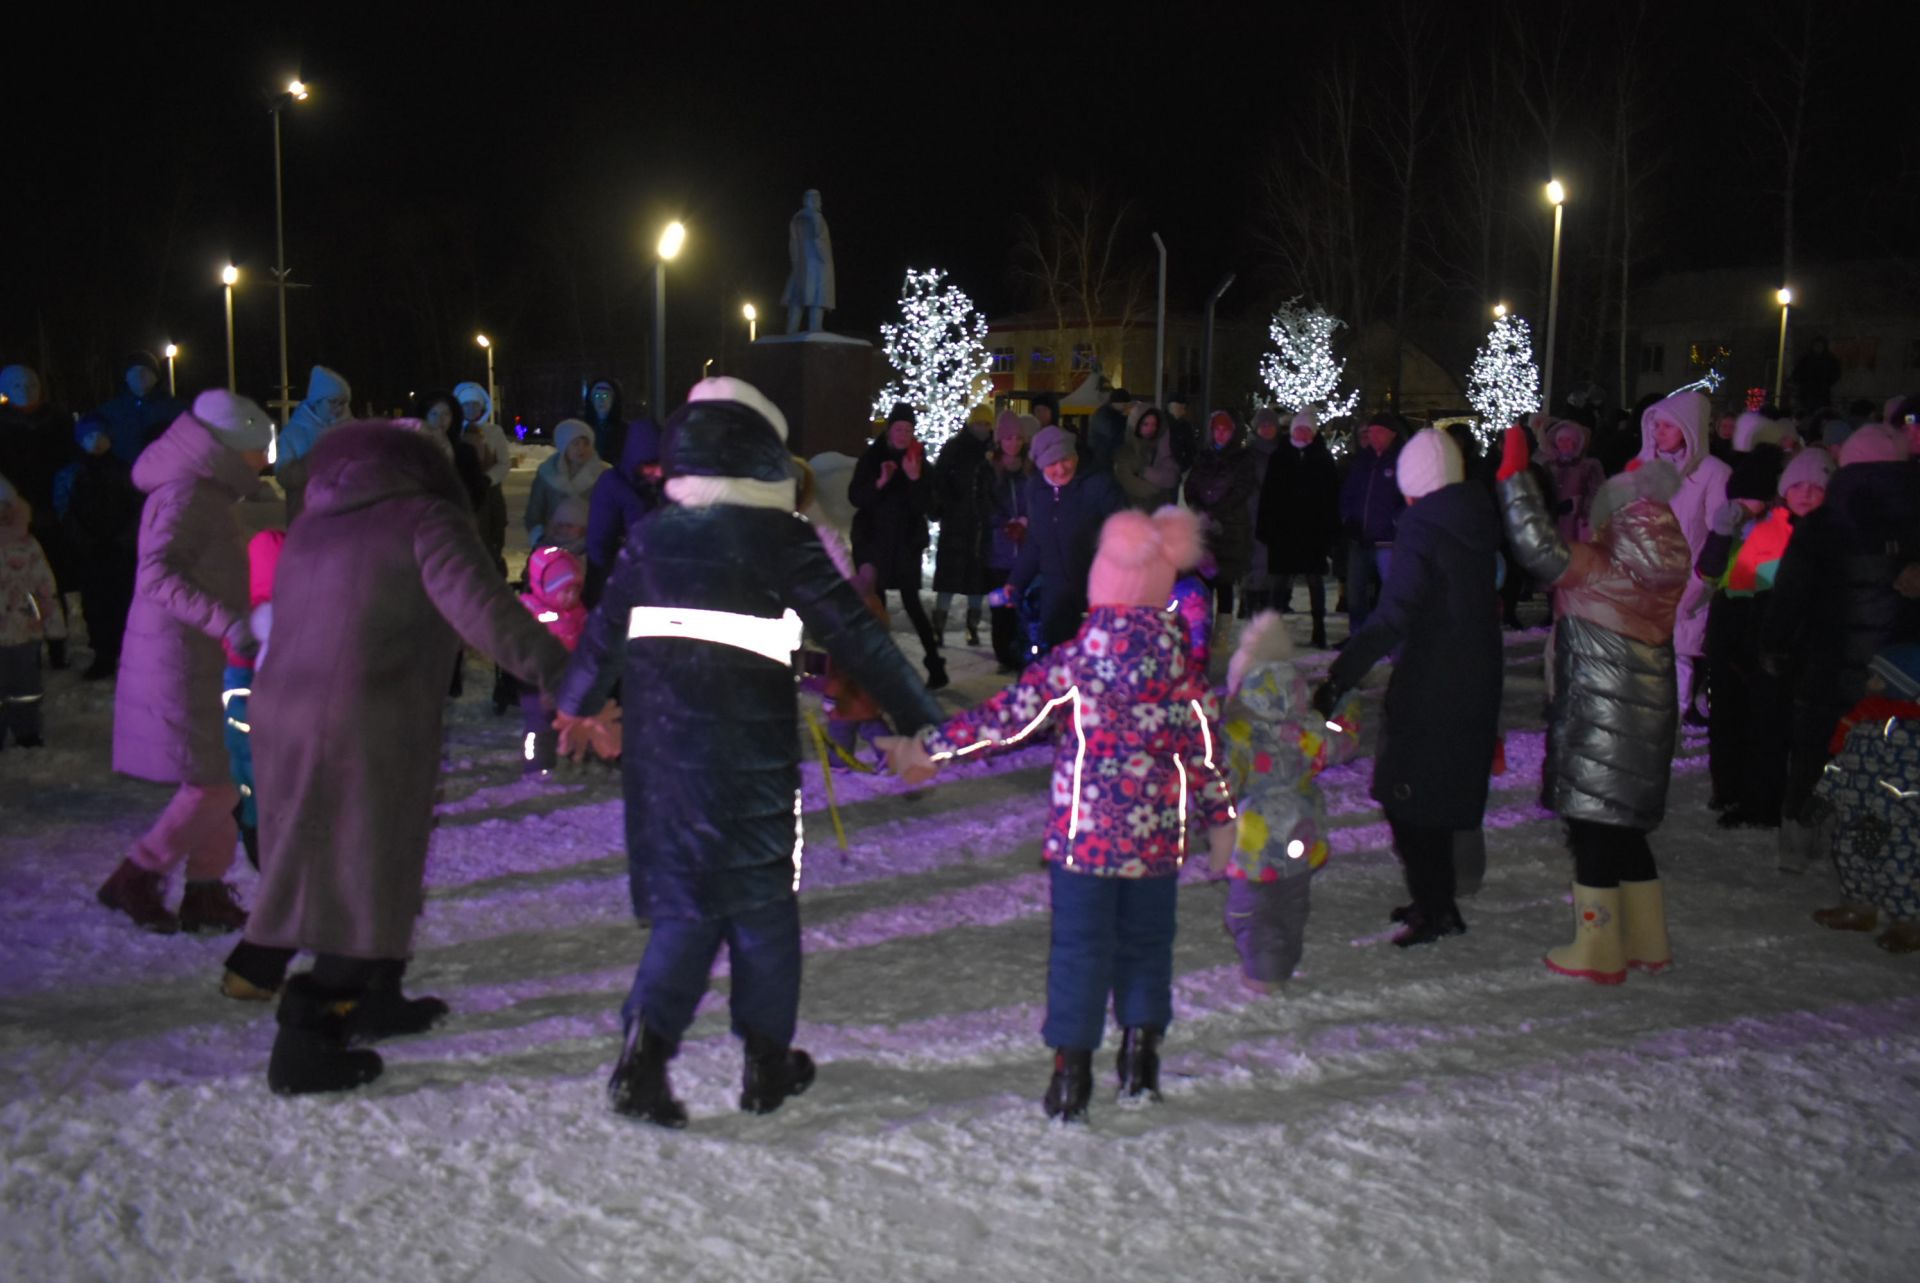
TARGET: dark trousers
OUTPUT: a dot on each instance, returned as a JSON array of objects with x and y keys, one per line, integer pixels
[
  {"x": 1366, "y": 572},
  {"x": 105, "y": 599},
  {"x": 1316, "y": 594},
  {"x": 1110, "y": 936},
  {"x": 1808, "y": 736},
  {"x": 1426, "y": 858},
  {"x": 1748, "y": 723},
  {"x": 21, "y": 691},
  {"x": 763, "y": 952},
  {"x": 1605, "y": 855},
  {"x": 1222, "y": 595},
  {"x": 917, "y": 616}
]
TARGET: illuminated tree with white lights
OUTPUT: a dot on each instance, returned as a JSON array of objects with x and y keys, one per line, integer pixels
[
  {"x": 939, "y": 349},
  {"x": 1301, "y": 372},
  {"x": 1504, "y": 384}
]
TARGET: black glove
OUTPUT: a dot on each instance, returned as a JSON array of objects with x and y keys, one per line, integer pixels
[{"x": 1325, "y": 697}]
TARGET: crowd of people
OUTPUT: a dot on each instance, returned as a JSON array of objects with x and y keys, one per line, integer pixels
[{"x": 1757, "y": 576}]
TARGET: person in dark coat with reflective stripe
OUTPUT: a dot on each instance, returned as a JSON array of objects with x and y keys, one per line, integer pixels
[
  {"x": 702, "y": 614},
  {"x": 1613, "y": 718},
  {"x": 1440, "y": 611}
]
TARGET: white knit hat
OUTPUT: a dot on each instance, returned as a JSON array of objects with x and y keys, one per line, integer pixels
[
  {"x": 1428, "y": 462},
  {"x": 724, "y": 388},
  {"x": 1812, "y": 464},
  {"x": 236, "y": 422}
]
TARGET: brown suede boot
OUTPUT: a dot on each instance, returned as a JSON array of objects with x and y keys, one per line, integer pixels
[
  {"x": 139, "y": 893},
  {"x": 209, "y": 906}
]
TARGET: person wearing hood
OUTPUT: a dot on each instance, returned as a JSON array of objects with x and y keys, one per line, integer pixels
[
  {"x": 1834, "y": 607},
  {"x": 1146, "y": 467},
  {"x": 1219, "y": 488},
  {"x": 1299, "y": 520},
  {"x": 189, "y": 615},
  {"x": 376, "y": 579},
  {"x": 440, "y": 414},
  {"x": 1439, "y": 612},
  {"x": 570, "y": 472},
  {"x": 100, "y": 518},
  {"x": 892, "y": 493},
  {"x": 1675, "y": 429},
  {"x": 329, "y": 401},
  {"x": 1065, "y": 510},
  {"x": 1370, "y": 504},
  {"x": 603, "y": 412},
  {"x": 699, "y": 624},
  {"x": 36, "y": 442},
  {"x": 141, "y": 412},
  {"x": 963, "y": 503},
  {"x": 621, "y": 496},
  {"x": 1612, "y": 722},
  {"x": 1576, "y": 477},
  {"x": 490, "y": 443}
]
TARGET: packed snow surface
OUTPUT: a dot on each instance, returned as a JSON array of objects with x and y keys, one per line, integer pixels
[{"x": 1453, "y": 1112}]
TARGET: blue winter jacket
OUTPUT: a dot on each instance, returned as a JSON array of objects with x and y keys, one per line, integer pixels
[
  {"x": 1063, "y": 532},
  {"x": 1370, "y": 501},
  {"x": 134, "y": 423},
  {"x": 620, "y": 497}
]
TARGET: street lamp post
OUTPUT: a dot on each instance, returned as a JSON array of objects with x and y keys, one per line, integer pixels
[
  {"x": 228, "y": 276},
  {"x": 671, "y": 240},
  {"x": 1558, "y": 195},
  {"x": 296, "y": 91},
  {"x": 753, "y": 322},
  {"x": 486, "y": 345},
  {"x": 1784, "y": 297},
  {"x": 173, "y": 350}
]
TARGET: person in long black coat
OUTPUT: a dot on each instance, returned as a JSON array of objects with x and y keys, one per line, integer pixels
[
  {"x": 1299, "y": 518},
  {"x": 963, "y": 499},
  {"x": 1439, "y": 611},
  {"x": 102, "y": 525},
  {"x": 702, "y": 614},
  {"x": 1065, "y": 510},
  {"x": 892, "y": 493}
]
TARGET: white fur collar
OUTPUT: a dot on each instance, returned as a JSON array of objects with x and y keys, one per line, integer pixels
[{"x": 744, "y": 492}]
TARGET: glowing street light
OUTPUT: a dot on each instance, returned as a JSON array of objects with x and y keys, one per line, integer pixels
[
  {"x": 1499, "y": 311},
  {"x": 296, "y": 91},
  {"x": 1557, "y": 194},
  {"x": 1784, "y": 297},
  {"x": 229, "y": 277},
  {"x": 173, "y": 350},
  {"x": 672, "y": 239},
  {"x": 487, "y": 345},
  {"x": 752, "y": 314}
]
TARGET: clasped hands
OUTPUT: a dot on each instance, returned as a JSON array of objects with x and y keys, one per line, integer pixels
[
  {"x": 907, "y": 758},
  {"x": 599, "y": 733}
]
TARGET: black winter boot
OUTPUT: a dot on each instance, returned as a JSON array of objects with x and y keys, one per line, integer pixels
[
  {"x": 1319, "y": 639},
  {"x": 973, "y": 625},
  {"x": 310, "y": 1054},
  {"x": 936, "y": 672},
  {"x": 1072, "y": 1085},
  {"x": 384, "y": 1012},
  {"x": 57, "y": 653},
  {"x": 639, "y": 1086},
  {"x": 139, "y": 893},
  {"x": 1424, "y": 928},
  {"x": 773, "y": 1073},
  {"x": 1138, "y": 1064},
  {"x": 209, "y": 905}
]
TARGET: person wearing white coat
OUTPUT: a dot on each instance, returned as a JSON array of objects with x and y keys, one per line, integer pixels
[
  {"x": 479, "y": 430},
  {"x": 1675, "y": 429}
]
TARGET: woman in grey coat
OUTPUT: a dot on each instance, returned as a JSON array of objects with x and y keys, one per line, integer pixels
[{"x": 1612, "y": 720}]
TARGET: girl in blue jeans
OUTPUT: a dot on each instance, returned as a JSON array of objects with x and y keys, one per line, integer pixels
[{"x": 1135, "y": 761}]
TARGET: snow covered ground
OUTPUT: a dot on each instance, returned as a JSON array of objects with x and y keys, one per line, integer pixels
[{"x": 1447, "y": 1113}]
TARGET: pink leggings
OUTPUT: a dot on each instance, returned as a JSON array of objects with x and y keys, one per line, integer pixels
[{"x": 196, "y": 829}]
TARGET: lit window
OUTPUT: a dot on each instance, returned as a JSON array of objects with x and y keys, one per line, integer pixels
[{"x": 1002, "y": 360}]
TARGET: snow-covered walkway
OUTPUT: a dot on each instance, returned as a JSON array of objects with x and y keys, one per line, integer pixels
[{"x": 1448, "y": 1113}]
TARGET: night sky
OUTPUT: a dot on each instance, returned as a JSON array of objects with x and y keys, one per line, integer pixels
[{"x": 456, "y": 170}]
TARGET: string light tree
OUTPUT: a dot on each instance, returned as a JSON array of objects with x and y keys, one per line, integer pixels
[
  {"x": 939, "y": 349},
  {"x": 1504, "y": 384},
  {"x": 1301, "y": 372}
]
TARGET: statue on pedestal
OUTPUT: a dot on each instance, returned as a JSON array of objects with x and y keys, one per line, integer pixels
[{"x": 810, "y": 249}]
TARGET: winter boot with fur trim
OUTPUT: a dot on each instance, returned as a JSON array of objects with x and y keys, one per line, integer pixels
[
  {"x": 773, "y": 1072},
  {"x": 1645, "y": 926},
  {"x": 139, "y": 893},
  {"x": 1597, "y": 952},
  {"x": 209, "y": 906},
  {"x": 310, "y": 1054},
  {"x": 639, "y": 1086},
  {"x": 1138, "y": 1065},
  {"x": 1071, "y": 1087}
]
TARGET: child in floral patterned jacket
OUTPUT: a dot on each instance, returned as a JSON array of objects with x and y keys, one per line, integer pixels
[
  {"x": 1135, "y": 758},
  {"x": 1276, "y": 747}
]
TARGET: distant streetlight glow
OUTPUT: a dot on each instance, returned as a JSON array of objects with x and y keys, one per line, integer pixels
[
  {"x": 1499, "y": 310},
  {"x": 1784, "y": 297},
  {"x": 297, "y": 89},
  {"x": 752, "y": 314},
  {"x": 173, "y": 350},
  {"x": 672, "y": 239},
  {"x": 1556, "y": 193},
  {"x": 486, "y": 344},
  {"x": 229, "y": 275},
  {"x": 482, "y": 340}
]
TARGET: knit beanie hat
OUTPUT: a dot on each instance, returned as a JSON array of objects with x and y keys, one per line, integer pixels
[
  {"x": 901, "y": 413},
  {"x": 1007, "y": 426},
  {"x": 1874, "y": 443},
  {"x": 1899, "y": 667},
  {"x": 570, "y": 511},
  {"x": 1304, "y": 419},
  {"x": 1753, "y": 428},
  {"x": 1029, "y": 427},
  {"x": 1141, "y": 556},
  {"x": 1053, "y": 445},
  {"x": 1428, "y": 462},
  {"x": 236, "y": 422},
  {"x": 324, "y": 383},
  {"x": 1656, "y": 480},
  {"x": 89, "y": 425},
  {"x": 1812, "y": 464},
  {"x": 1217, "y": 418},
  {"x": 470, "y": 391}
]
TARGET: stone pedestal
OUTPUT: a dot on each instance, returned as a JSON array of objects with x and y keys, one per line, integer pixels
[{"x": 823, "y": 383}]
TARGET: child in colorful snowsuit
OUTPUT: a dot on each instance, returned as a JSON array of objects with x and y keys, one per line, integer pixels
[
  {"x": 29, "y": 614},
  {"x": 1135, "y": 759},
  {"x": 1873, "y": 787},
  {"x": 1276, "y": 746},
  {"x": 236, "y": 684},
  {"x": 555, "y": 578}
]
